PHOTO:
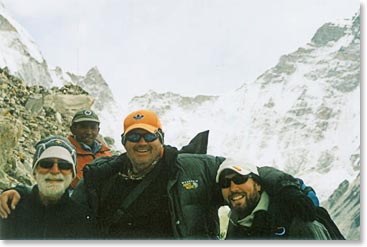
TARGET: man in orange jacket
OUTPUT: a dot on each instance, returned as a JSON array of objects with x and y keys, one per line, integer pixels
[{"x": 85, "y": 128}]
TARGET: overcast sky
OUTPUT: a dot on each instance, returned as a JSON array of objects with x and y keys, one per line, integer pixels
[{"x": 185, "y": 46}]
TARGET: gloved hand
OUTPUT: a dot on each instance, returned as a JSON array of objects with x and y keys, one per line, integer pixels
[{"x": 299, "y": 204}]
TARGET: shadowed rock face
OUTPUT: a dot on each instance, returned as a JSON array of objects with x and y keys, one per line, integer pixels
[{"x": 344, "y": 207}]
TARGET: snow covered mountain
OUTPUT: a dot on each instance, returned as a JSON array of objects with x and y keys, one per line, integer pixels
[
  {"x": 22, "y": 57},
  {"x": 20, "y": 53},
  {"x": 302, "y": 116}
]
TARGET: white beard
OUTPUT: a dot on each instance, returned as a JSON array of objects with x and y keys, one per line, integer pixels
[{"x": 53, "y": 190}]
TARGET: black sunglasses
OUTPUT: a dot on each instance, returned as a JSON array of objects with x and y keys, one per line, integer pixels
[
  {"x": 135, "y": 137},
  {"x": 49, "y": 163},
  {"x": 237, "y": 179}
]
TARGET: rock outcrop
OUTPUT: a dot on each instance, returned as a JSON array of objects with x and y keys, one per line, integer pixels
[{"x": 27, "y": 114}]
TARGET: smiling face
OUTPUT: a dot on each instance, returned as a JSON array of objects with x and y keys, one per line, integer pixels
[
  {"x": 85, "y": 132},
  {"x": 242, "y": 198},
  {"x": 142, "y": 154},
  {"x": 52, "y": 181}
]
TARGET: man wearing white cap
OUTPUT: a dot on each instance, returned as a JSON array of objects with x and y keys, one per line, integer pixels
[
  {"x": 155, "y": 191},
  {"x": 257, "y": 215},
  {"x": 47, "y": 212}
]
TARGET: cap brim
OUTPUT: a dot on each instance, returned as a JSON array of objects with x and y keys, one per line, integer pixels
[
  {"x": 147, "y": 127},
  {"x": 236, "y": 169},
  {"x": 86, "y": 120}
]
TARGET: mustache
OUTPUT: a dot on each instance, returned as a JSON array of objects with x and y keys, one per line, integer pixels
[
  {"x": 49, "y": 176},
  {"x": 234, "y": 194},
  {"x": 86, "y": 137},
  {"x": 144, "y": 146}
]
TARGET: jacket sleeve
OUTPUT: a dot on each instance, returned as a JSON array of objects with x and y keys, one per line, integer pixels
[
  {"x": 286, "y": 188},
  {"x": 21, "y": 189},
  {"x": 308, "y": 230},
  {"x": 215, "y": 162},
  {"x": 95, "y": 173},
  {"x": 79, "y": 194},
  {"x": 275, "y": 180}
]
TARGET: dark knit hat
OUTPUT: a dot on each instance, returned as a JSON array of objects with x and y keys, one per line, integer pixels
[{"x": 55, "y": 147}]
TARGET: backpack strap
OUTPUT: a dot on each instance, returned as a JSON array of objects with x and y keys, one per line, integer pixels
[
  {"x": 309, "y": 191},
  {"x": 130, "y": 198}
]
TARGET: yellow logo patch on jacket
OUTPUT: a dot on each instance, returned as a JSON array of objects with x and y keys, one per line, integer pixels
[{"x": 190, "y": 184}]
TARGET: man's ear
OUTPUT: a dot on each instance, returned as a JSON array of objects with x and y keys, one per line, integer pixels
[
  {"x": 258, "y": 187},
  {"x": 123, "y": 139}
]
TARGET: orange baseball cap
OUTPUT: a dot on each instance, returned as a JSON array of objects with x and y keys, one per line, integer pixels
[{"x": 142, "y": 119}]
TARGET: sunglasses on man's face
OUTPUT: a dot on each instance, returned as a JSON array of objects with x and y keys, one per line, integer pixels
[
  {"x": 49, "y": 163},
  {"x": 135, "y": 137},
  {"x": 237, "y": 179}
]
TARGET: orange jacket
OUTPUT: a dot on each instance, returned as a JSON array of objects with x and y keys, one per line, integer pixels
[{"x": 85, "y": 157}]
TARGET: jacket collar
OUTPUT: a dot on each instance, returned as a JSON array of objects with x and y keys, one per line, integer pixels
[{"x": 80, "y": 148}]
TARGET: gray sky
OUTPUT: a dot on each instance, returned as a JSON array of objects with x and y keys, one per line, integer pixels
[{"x": 185, "y": 46}]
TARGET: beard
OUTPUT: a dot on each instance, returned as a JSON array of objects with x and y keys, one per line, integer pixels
[
  {"x": 241, "y": 211},
  {"x": 144, "y": 162},
  {"x": 53, "y": 190}
]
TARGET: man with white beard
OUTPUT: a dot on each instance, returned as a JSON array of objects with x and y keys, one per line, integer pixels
[{"x": 47, "y": 212}]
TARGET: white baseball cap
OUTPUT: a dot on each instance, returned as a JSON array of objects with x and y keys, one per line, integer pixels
[{"x": 242, "y": 167}]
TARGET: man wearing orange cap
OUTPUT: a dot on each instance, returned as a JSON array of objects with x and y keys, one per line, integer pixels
[
  {"x": 154, "y": 191},
  {"x": 179, "y": 199}
]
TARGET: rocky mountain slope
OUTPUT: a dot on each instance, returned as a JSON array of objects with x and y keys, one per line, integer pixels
[
  {"x": 22, "y": 57},
  {"x": 27, "y": 114},
  {"x": 94, "y": 83}
]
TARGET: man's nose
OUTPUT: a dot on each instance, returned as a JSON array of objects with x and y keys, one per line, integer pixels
[
  {"x": 89, "y": 130},
  {"x": 233, "y": 186},
  {"x": 55, "y": 168},
  {"x": 142, "y": 140}
]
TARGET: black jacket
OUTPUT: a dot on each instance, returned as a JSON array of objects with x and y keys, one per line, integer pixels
[
  {"x": 32, "y": 220},
  {"x": 277, "y": 223},
  {"x": 193, "y": 196},
  {"x": 290, "y": 214}
]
